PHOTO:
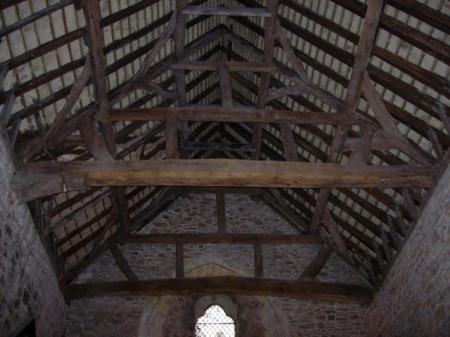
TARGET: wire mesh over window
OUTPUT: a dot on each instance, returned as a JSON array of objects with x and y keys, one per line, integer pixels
[{"x": 215, "y": 323}]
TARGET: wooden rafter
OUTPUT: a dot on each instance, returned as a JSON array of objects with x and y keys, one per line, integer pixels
[
  {"x": 303, "y": 195},
  {"x": 290, "y": 148},
  {"x": 360, "y": 146},
  {"x": 37, "y": 144},
  {"x": 122, "y": 263},
  {"x": 366, "y": 42},
  {"x": 303, "y": 143},
  {"x": 388, "y": 123},
  {"x": 269, "y": 47},
  {"x": 71, "y": 99},
  {"x": 316, "y": 265},
  {"x": 160, "y": 43},
  {"x": 180, "y": 37},
  {"x": 95, "y": 42}
]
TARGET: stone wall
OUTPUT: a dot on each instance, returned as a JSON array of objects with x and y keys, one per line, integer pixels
[
  {"x": 28, "y": 286},
  {"x": 173, "y": 316},
  {"x": 415, "y": 297}
]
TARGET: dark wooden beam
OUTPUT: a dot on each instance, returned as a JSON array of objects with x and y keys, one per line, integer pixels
[
  {"x": 75, "y": 92},
  {"x": 160, "y": 43},
  {"x": 303, "y": 143},
  {"x": 253, "y": 191},
  {"x": 272, "y": 198},
  {"x": 95, "y": 42},
  {"x": 211, "y": 113},
  {"x": 37, "y": 144},
  {"x": 180, "y": 37},
  {"x": 313, "y": 269},
  {"x": 382, "y": 77},
  {"x": 363, "y": 53},
  {"x": 218, "y": 238},
  {"x": 226, "y": 11},
  {"x": 259, "y": 261},
  {"x": 306, "y": 290},
  {"x": 241, "y": 66},
  {"x": 264, "y": 85},
  {"x": 3, "y": 73},
  {"x": 427, "y": 14},
  {"x": 423, "y": 41},
  {"x": 435, "y": 81},
  {"x": 122, "y": 263},
  {"x": 354, "y": 89},
  {"x": 388, "y": 123},
  {"x": 7, "y": 110},
  {"x": 65, "y": 176},
  {"x": 332, "y": 227},
  {"x": 120, "y": 201},
  {"x": 172, "y": 138},
  {"x": 179, "y": 261},
  {"x": 289, "y": 146},
  {"x": 48, "y": 10}
]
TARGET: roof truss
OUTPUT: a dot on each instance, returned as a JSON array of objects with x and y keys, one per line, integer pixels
[{"x": 219, "y": 129}]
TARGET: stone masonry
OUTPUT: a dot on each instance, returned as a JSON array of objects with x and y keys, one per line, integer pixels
[
  {"x": 415, "y": 297},
  {"x": 124, "y": 317},
  {"x": 28, "y": 286}
]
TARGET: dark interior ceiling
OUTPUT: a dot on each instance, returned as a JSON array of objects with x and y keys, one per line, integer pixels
[{"x": 52, "y": 89}]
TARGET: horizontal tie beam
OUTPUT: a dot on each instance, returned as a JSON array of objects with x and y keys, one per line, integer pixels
[
  {"x": 226, "y": 11},
  {"x": 306, "y": 290},
  {"x": 219, "y": 238},
  {"x": 212, "y": 113},
  {"x": 45, "y": 178},
  {"x": 230, "y": 65}
]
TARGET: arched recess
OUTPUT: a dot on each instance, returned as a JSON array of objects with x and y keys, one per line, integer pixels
[{"x": 158, "y": 309}]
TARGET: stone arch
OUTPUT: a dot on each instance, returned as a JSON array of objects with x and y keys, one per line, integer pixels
[
  {"x": 158, "y": 308},
  {"x": 225, "y": 302}
]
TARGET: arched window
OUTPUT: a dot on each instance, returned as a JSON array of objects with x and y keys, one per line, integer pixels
[{"x": 215, "y": 323}]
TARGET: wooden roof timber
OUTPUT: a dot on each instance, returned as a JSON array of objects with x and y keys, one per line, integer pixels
[
  {"x": 303, "y": 144},
  {"x": 127, "y": 59},
  {"x": 37, "y": 144},
  {"x": 216, "y": 113},
  {"x": 336, "y": 201},
  {"x": 353, "y": 94},
  {"x": 376, "y": 145},
  {"x": 307, "y": 290},
  {"x": 216, "y": 238},
  {"x": 226, "y": 11},
  {"x": 401, "y": 29},
  {"x": 300, "y": 213},
  {"x": 378, "y": 75},
  {"x": 139, "y": 203},
  {"x": 46, "y": 178},
  {"x": 442, "y": 138}
]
